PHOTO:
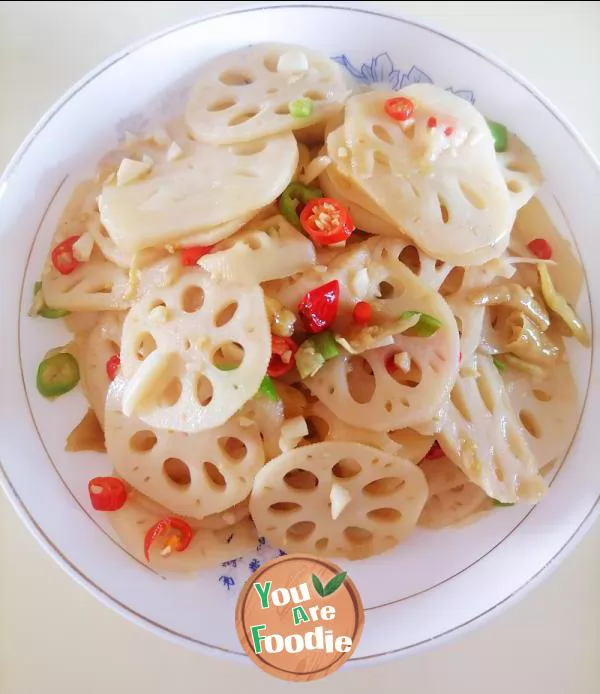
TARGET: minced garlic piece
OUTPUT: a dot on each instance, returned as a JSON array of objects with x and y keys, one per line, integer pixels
[
  {"x": 146, "y": 380},
  {"x": 131, "y": 169},
  {"x": 82, "y": 248},
  {"x": 340, "y": 497},
  {"x": 174, "y": 152},
  {"x": 402, "y": 361},
  {"x": 292, "y": 432}
]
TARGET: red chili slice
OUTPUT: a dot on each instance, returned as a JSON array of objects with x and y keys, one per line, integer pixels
[
  {"x": 319, "y": 307},
  {"x": 400, "y": 108},
  {"x": 190, "y": 256},
  {"x": 283, "y": 360},
  {"x": 112, "y": 366},
  {"x": 431, "y": 122},
  {"x": 448, "y": 131},
  {"x": 435, "y": 452},
  {"x": 179, "y": 541},
  {"x": 326, "y": 221},
  {"x": 540, "y": 248},
  {"x": 62, "y": 256},
  {"x": 362, "y": 312},
  {"x": 107, "y": 493}
]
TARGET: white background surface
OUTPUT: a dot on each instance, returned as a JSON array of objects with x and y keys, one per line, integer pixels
[{"x": 54, "y": 637}]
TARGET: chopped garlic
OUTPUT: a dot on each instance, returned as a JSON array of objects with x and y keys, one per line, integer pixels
[
  {"x": 82, "y": 248},
  {"x": 245, "y": 422},
  {"x": 160, "y": 136},
  {"x": 340, "y": 497},
  {"x": 402, "y": 361},
  {"x": 134, "y": 278},
  {"x": 130, "y": 139},
  {"x": 315, "y": 169},
  {"x": 292, "y": 62},
  {"x": 281, "y": 319},
  {"x": 359, "y": 283},
  {"x": 342, "y": 152},
  {"x": 131, "y": 169},
  {"x": 159, "y": 314},
  {"x": 320, "y": 269},
  {"x": 292, "y": 432},
  {"x": 174, "y": 152},
  {"x": 170, "y": 248},
  {"x": 147, "y": 380}
]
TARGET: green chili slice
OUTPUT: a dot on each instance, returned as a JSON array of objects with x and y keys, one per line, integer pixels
[
  {"x": 301, "y": 108},
  {"x": 426, "y": 327},
  {"x": 501, "y": 503},
  {"x": 500, "y": 135},
  {"x": 499, "y": 364},
  {"x": 267, "y": 388},
  {"x": 46, "y": 311},
  {"x": 57, "y": 375},
  {"x": 295, "y": 194},
  {"x": 325, "y": 345}
]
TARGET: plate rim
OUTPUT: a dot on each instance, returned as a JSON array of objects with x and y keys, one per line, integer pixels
[{"x": 24, "y": 513}]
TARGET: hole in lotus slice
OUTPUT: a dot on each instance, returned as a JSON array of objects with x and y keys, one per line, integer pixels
[
  {"x": 384, "y": 486},
  {"x": 318, "y": 429},
  {"x": 228, "y": 356},
  {"x": 490, "y": 447},
  {"x": 284, "y": 507},
  {"x": 361, "y": 381},
  {"x": 251, "y": 75},
  {"x": 458, "y": 213},
  {"x": 382, "y": 133},
  {"x": 211, "y": 390},
  {"x": 234, "y": 78},
  {"x": 243, "y": 117},
  {"x": 403, "y": 502},
  {"x": 192, "y": 474},
  {"x": 233, "y": 447},
  {"x": 384, "y": 515},
  {"x": 358, "y": 536},
  {"x": 346, "y": 468},
  {"x": 301, "y": 479},
  {"x": 146, "y": 344},
  {"x": 177, "y": 471},
  {"x": 301, "y": 530},
  {"x": 204, "y": 390},
  {"x": 143, "y": 441},
  {"x": 411, "y": 257},
  {"x": 192, "y": 299},
  {"x": 221, "y": 104},
  {"x": 213, "y": 477},
  {"x": 225, "y": 314},
  {"x": 541, "y": 395}
]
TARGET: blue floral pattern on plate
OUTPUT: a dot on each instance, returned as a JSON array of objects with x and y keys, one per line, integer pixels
[
  {"x": 236, "y": 571},
  {"x": 381, "y": 70}
]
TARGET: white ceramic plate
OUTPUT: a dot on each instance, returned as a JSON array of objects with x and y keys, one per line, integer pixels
[{"x": 437, "y": 583}]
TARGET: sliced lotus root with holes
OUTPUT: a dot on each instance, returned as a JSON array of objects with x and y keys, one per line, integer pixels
[
  {"x": 198, "y": 191},
  {"x": 482, "y": 435},
  {"x": 294, "y": 495},
  {"x": 469, "y": 316},
  {"x": 227, "y": 518},
  {"x": 548, "y": 411},
  {"x": 102, "y": 343},
  {"x": 445, "y": 191},
  {"x": 242, "y": 96},
  {"x": 272, "y": 250},
  {"x": 325, "y": 426},
  {"x": 214, "y": 345},
  {"x": 194, "y": 475},
  {"x": 452, "y": 498},
  {"x": 520, "y": 170},
  {"x": 359, "y": 389},
  {"x": 207, "y": 237},
  {"x": 268, "y": 415},
  {"x": 207, "y": 548}
]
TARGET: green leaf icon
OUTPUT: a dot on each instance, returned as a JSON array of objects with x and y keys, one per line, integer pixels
[
  {"x": 334, "y": 584},
  {"x": 318, "y": 585}
]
